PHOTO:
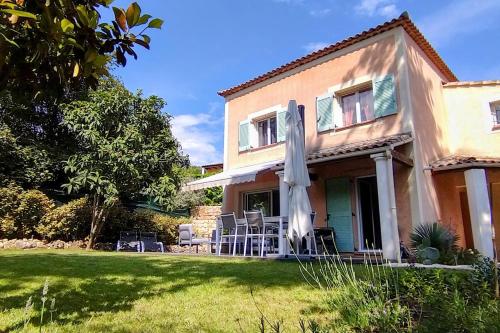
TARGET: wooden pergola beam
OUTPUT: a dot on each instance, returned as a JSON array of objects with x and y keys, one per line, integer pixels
[{"x": 397, "y": 156}]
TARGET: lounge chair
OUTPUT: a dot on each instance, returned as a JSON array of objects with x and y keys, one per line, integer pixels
[
  {"x": 187, "y": 237},
  {"x": 149, "y": 242},
  {"x": 128, "y": 242}
]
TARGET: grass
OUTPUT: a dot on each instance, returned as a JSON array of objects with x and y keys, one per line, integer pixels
[{"x": 117, "y": 292}]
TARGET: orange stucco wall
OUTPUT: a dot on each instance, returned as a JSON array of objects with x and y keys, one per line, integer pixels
[
  {"x": 352, "y": 168},
  {"x": 430, "y": 127},
  {"x": 375, "y": 59},
  {"x": 470, "y": 121},
  {"x": 448, "y": 187}
]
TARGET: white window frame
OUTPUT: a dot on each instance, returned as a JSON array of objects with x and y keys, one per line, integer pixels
[
  {"x": 269, "y": 191},
  {"x": 495, "y": 114},
  {"x": 354, "y": 91},
  {"x": 254, "y": 117},
  {"x": 268, "y": 120}
]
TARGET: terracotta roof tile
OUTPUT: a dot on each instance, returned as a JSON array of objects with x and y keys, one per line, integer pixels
[
  {"x": 458, "y": 162},
  {"x": 337, "y": 152},
  {"x": 386, "y": 141},
  {"x": 403, "y": 21}
]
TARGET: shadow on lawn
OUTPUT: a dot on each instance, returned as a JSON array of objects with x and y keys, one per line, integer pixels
[{"x": 112, "y": 283}]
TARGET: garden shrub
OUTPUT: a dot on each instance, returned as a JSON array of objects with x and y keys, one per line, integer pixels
[
  {"x": 429, "y": 239},
  {"x": 70, "y": 221},
  {"x": 21, "y": 211},
  {"x": 448, "y": 301},
  {"x": 165, "y": 226},
  {"x": 374, "y": 298},
  {"x": 122, "y": 219}
]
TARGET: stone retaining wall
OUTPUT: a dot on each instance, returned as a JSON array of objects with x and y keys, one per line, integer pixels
[{"x": 203, "y": 220}]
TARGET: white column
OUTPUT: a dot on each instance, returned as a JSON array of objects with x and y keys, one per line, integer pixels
[
  {"x": 283, "y": 194},
  {"x": 225, "y": 199},
  {"x": 387, "y": 206},
  {"x": 480, "y": 211}
]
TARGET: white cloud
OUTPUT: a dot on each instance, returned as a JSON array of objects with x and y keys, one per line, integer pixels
[
  {"x": 460, "y": 17},
  {"x": 197, "y": 134},
  {"x": 320, "y": 12},
  {"x": 385, "y": 8},
  {"x": 315, "y": 46}
]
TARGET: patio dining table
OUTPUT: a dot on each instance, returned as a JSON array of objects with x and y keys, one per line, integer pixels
[{"x": 280, "y": 221}]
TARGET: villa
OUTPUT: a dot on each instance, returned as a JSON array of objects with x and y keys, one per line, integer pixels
[{"x": 393, "y": 139}]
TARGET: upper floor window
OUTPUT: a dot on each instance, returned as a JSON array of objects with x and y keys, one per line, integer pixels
[
  {"x": 495, "y": 114},
  {"x": 357, "y": 107},
  {"x": 356, "y": 104},
  {"x": 267, "y": 131}
]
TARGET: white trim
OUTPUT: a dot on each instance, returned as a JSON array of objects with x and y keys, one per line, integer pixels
[
  {"x": 268, "y": 190},
  {"x": 225, "y": 166},
  {"x": 233, "y": 176},
  {"x": 264, "y": 112},
  {"x": 257, "y": 116},
  {"x": 328, "y": 57},
  {"x": 344, "y": 87},
  {"x": 488, "y": 103}
]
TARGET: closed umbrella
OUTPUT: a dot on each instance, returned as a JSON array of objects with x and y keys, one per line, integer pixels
[{"x": 296, "y": 176}]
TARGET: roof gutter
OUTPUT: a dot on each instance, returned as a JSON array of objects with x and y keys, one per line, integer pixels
[{"x": 352, "y": 154}]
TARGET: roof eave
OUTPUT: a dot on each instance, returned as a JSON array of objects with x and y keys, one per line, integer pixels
[{"x": 403, "y": 20}]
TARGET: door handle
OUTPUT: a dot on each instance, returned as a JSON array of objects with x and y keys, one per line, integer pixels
[{"x": 328, "y": 217}]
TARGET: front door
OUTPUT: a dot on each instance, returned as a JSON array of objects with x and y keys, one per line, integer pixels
[
  {"x": 338, "y": 204},
  {"x": 369, "y": 217}
]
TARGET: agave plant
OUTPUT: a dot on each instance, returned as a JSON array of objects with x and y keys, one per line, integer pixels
[{"x": 434, "y": 235}]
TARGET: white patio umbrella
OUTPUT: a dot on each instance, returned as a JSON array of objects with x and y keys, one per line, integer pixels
[{"x": 296, "y": 176}]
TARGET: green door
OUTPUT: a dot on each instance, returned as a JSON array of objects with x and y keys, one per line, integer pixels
[{"x": 338, "y": 205}]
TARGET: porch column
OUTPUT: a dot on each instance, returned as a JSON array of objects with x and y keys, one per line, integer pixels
[
  {"x": 225, "y": 199},
  {"x": 387, "y": 206},
  {"x": 284, "y": 189},
  {"x": 480, "y": 211}
]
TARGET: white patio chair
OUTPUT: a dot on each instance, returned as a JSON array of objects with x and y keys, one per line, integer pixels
[
  {"x": 230, "y": 231},
  {"x": 257, "y": 227}
]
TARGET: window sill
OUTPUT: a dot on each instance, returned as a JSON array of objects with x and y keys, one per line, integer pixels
[
  {"x": 343, "y": 128},
  {"x": 251, "y": 150}
]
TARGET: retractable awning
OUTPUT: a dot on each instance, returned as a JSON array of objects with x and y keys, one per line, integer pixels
[{"x": 233, "y": 176}]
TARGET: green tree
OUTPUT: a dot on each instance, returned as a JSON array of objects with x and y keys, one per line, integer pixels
[
  {"x": 23, "y": 164},
  {"x": 127, "y": 151},
  {"x": 62, "y": 43},
  {"x": 53, "y": 52}
]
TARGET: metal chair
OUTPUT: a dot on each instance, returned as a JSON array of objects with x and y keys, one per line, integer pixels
[
  {"x": 149, "y": 242},
  {"x": 128, "y": 241},
  {"x": 229, "y": 232},
  {"x": 257, "y": 227},
  {"x": 187, "y": 237}
]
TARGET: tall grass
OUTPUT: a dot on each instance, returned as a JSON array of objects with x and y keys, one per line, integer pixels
[{"x": 366, "y": 296}]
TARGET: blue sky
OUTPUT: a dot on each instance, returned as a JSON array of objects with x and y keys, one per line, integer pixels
[{"x": 209, "y": 45}]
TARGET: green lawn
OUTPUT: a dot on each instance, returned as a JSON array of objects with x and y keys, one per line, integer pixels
[{"x": 115, "y": 292}]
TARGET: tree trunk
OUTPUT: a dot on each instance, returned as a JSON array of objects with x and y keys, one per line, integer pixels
[{"x": 99, "y": 214}]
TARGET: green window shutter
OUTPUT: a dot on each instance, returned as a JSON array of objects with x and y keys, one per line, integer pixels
[
  {"x": 244, "y": 136},
  {"x": 384, "y": 96},
  {"x": 324, "y": 113},
  {"x": 281, "y": 125}
]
